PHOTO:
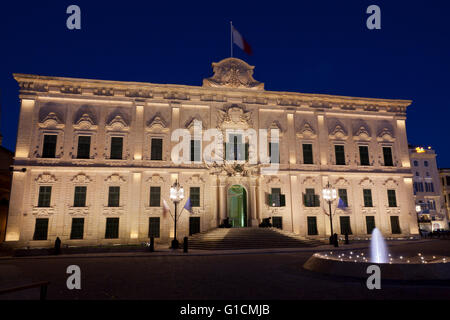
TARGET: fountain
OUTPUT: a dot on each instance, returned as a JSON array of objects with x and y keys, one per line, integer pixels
[
  {"x": 378, "y": 250},
  {"x": 355, "y": 263}
]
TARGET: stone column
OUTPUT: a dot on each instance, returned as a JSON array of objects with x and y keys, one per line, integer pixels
[
  {"x": 254, "y": 219},
  {"x": 222, "y": 198}
]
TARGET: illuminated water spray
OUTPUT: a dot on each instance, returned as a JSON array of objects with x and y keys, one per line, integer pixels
[{"x": 378, "y": 250}]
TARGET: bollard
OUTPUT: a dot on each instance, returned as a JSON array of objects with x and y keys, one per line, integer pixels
[
  {"x": 336, "y": 241},
  {"x": 152, "y": 244},
  {"x": 346, "y": 238},
  {"x": 185, "y": 245}
]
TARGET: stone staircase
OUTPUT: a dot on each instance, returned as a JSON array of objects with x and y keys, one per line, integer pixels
[{"x": 248, "y": 238}]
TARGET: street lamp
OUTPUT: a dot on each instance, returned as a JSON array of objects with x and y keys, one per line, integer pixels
[
  {"x": 329, "y": 195},
  {"x": 176, "y": 195},
  {"x": 418, "y": 210}
]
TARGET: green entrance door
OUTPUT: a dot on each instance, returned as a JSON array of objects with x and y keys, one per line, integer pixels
[{"x": 237, "y": 206}]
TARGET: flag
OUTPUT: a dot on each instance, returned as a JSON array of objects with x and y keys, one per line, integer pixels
[
  {"x": 165, "y": 208},
  {"x": 240, "y": 42},
  {"x": 188, "y": 205},
  {"x": 341, "y": 204}
]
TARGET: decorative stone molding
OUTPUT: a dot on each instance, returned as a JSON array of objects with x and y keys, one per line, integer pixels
[
  {"x": 309, "y": 181},
  {"x": 136, "y": 93},
  {"x": 115, "y": 178},
  {"x": 368, "y": 210},
  {"x": 307, "y": 131},
  {"x": 338, "y": 133},
  {"x": 46, "y": 178},
  {"x": 117, "y": 124},
  {"x": 366, "y": 182},
  {"x": 85, "y": 123},
  {"x": 38, "y": 211},
  {"x": 276, "y": 126},
  {"x": 393, "y": 210},
  {"x": 234, "y": 117},
  {"x": 174, "y": 95},
  {"x": 155, "y": 179},
  {"x": 362, "y": 134},
  {"x": 390, "y": 183},
  {"x": 385, "y": 135},
  {"x": 51, "y": 121},
  {"x": 233, "y": 73},
  {"x": 78, "y": 211},
  {"x": 341, "y": 182},
  {"x": 109, "y": 92},
  {"x": 81, "y": 178},
  {"x": 195, "y": 179},
  {"x": 273, "y": 180},
  {"x": 157, "y": 124},
  {"x": 70, "y": 89},
  {"x": 153, "y": 210},
  {"x": 113, "y": 211}
]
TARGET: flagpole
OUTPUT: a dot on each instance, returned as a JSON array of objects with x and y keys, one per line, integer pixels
[{"x": 231, "y": 38}]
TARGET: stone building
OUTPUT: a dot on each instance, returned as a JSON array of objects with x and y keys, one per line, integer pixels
[
  {"x": 430, "y": 204},
  {"x": 444, "y": 174},
  {"x": 100, "y": 161},
  {"x": 6, "y": 161}
]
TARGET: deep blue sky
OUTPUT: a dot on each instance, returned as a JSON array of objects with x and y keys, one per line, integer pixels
[{"x": 304, "y": 46}]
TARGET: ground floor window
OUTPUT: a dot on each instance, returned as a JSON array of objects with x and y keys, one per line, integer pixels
[
  {"x": 194, "y": 225},
  {"x": 154, "y": 227},
  {"x": 395, "y": 225},
  {"x": 370, "y": 224},
  {"x": 312, "y": 226},
  {"x": 77, "y": 228},
  {"x": 112, "y": 228},
  {"x": 41, "y": 229},
  {"x": 277, "y": 222},
  {"x": 345, "y": 225}
]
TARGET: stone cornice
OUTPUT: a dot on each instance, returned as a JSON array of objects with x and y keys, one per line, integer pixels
[{"x": 62, "y": 86}]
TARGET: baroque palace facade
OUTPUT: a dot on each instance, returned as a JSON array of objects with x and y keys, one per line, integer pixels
[{"x": 98, "y": 160}]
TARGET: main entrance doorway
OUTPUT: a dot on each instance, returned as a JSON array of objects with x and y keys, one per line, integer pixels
[{"x": 237, "y": 206}]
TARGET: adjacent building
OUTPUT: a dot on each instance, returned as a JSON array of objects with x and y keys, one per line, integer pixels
[
  {"x": 6, "y": 161},
  {"x": 99, "y": 159},
  {"x": 445, "y": 184},
  {"x": 430, "y": 204}
]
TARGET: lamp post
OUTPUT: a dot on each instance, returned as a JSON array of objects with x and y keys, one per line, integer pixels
[
  {"x": 176, "y": 195},
  {"x": 418, "y": 210},
  {"x": 329, "y": 195}
]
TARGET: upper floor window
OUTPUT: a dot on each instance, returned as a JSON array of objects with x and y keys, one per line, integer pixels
[
  {"x": 343, "y": 195},
  {"x": 416, "y": 163},
  {"x": 195, "y": 150},
  {"x": 387, "y": 156},
  {"x": 157, "y": 149},
  {"x": 116, "y": 148},
  {"x": 364, "y": 155},
  {"x": 392, "y": 199},
  {"x": 308, "y": 154},
  {"x": 367, "y": 193},
  {"x": 155, "y": 196},
  {"x": 429, "y": 187},
  {"x": 49, "y": 147},
  {"x": 84, "y": 147},
  {"x": 80, "y": 197},
  {"x": 194, "y": 195},
  {"x": 425, "y": 163},
  {"x": 339, "y": 153},
  {"x": 114, "y": 197},
  {"x": 274, "y": 152},
  {"x": 45, "y": 193},
  {"x": 311, "y": 199},
  {"x": 236, "y": 149}
]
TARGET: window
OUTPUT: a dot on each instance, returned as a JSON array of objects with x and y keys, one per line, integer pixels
[
  {"x": 195, "y": 196},
  {"x": 277, "y": 222},
  {"x": 45, "y": 194},
  {"x": 274, "y": 152},
  {"x": 432, "y": 204},
  {"x": 364, "y": 155},
  {"x": 429, "y": 187},
  {"x": 155, "y": 196},
  {"x": 49, "y": 148},
  {"x": 367, "y": 198},
  {"x": 116, "y": 148},
  {"x": 416, "y": 163},
  {"x": 339, "y": 154},
  {"x": 387, "y": 156},
  {"x": 41, "y": 229},
  {"x": 311, "y": 199},
  {"x": 345, "y": 225},
  {"x": 157, "y": 149},
  {"x": 80, "y": 197},
  {"x": 392, "y": 199},
  {"x": 420, "y": 186},
  {"x": 312, "y": 226},
  {"x": 77, "y": 229},
  {"x": 114, "y": 197},
  {"x": 276, "y": 199},
  {"x": 370, "y": 224},
  {"x": 112, "y": 228},
  {"x": 307, "y": 154},
  {"x": 425, "y": 163},
  {"x": 447, "y": 178},
  {"x": 343, "y": 195},
  {"x": 154, "y": 227},
  {"x": 395, "y": 225},
  {"x": 195, "y": 150},
  {"x": 84, "y": 147},
  {"x": 194, "y": 225}
]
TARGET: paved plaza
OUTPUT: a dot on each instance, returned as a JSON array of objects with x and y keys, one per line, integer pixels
[{"x": 226, "y": 275}]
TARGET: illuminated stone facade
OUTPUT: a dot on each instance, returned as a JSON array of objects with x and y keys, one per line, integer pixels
[{"x": 370, "y": 135}]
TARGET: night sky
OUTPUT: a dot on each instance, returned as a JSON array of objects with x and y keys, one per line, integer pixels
[{"x": 302, "y": 46}]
